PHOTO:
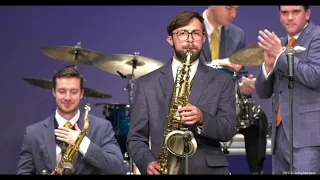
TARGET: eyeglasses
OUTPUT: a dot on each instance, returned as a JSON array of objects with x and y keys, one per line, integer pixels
[{"x": 183, "y": 35}]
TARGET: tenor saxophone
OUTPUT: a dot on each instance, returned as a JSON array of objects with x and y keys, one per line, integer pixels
[
  {"x": 65, "y": 166},
  {"x": 172, "y": 152}
]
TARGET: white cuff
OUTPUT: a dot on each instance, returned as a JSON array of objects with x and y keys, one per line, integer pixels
[{"x": 84, "y": 145}]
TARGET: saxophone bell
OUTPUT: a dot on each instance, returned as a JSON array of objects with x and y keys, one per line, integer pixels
[
  {"x": 68, "y": 168},
  {"x": 175, "y": 142}
]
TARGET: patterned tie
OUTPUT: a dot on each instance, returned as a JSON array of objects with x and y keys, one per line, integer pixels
[
  {"x": 67, "y": 125},
  {"x": 279, "y": 119},
  {"x": 65, "y": 145},
  {"x": 215, "y": 44}
]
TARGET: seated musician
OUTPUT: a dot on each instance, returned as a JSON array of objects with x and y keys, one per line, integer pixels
[{"x": 46, "y": 142}]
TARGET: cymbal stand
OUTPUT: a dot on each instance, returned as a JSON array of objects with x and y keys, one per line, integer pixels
[
  {"x": 129, "y": 88},
  {"x": 76, "y": 54}
]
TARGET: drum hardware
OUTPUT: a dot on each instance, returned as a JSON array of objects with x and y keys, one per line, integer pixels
[
  {"x": 236, "y": 146},
  {"x": 47, "y": 84},
  {"x": 75, "y": 54},
  {"x": 248, "y": 112},
  {"x": 130, "y": 77},
  {"x": 129, "y": 66},
  {"x": 226, "y": 146},
  {"x": 250, "y": 56}
]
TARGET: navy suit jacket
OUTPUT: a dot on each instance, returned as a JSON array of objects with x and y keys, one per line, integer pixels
[
  {"x": 306, "y": 91},
  {"x": 212, "y": 92},
  {"x": 102, "y": 157}
]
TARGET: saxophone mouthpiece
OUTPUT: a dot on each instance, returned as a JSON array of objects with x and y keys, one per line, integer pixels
[{"x": 190, "y": 49}]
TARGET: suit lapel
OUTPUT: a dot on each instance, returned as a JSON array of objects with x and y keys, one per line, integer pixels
[
  {"x": 224, "y": 42},
  {"x": 303, "y": 36},
  {"x": 199, "y": 84},
  {"x": 49, "y": 140},
  {"x": 166, "y": 81},
  {"x": 206, "y": 50}
]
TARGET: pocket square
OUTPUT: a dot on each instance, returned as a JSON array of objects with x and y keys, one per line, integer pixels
[{"x": 299, "y": 49}]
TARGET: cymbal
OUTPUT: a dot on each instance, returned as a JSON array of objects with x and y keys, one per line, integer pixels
[
  {"x": 67, "y": 53},
  {"x": 250, "y": 56},
  {"x": 123, "y": 63},
  {"x": 47, "y": 84}
]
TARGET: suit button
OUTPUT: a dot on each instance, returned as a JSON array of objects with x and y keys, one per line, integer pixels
[{"x": 280, "y": 92}]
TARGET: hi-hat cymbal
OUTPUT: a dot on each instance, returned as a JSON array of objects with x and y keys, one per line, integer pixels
[
  {"x": 250, "y": 56},
  {"x": 123, "y": 63},
  {"x": 68, "y": 53},
  {"x": 47, "y": 84}
]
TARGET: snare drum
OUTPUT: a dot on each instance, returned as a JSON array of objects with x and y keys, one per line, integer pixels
[
  {"x": 119, "y": 116},
  {"x": 247, "y": 113}
]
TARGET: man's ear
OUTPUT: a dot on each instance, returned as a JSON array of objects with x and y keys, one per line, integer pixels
[
  {"x": 170, "y": 40},
  {"x": 54, "y": 94}
]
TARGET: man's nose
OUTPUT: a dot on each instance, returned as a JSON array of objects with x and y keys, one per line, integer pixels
[
  {"x": 290, "y": 16},
  {"x": 68, "y": 96}
]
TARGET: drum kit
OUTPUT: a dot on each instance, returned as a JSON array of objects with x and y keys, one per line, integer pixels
[
  {"x": 129, "y": 66},
  {"x": 247, "y": 112}
]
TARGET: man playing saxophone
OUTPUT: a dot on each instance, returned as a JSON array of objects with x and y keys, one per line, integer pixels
[
  {"x": 210, "y": 114},
  {"x": 46, "y": 141}
]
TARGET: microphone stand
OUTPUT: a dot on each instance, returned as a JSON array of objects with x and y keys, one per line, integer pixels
[
  {"x": 187, "y": 136},
  {"x": 290, "y": 52}
]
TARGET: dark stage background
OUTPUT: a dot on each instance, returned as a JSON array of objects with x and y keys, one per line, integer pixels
[{"x": 105, "y": 29}]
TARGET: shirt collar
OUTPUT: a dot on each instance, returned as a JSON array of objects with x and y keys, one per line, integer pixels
[
  {"x": 61, "y": 121},
  {"x": 176, "y": 64}
]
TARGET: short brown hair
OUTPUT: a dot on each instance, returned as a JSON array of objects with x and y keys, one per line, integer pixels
[
  {"x": 183, "y": 19},
  {"x": 304, "y": 7},
  {"x": 67, "y": 72}
]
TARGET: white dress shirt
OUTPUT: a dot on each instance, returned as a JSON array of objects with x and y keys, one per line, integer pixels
[
  {"x": 83, "y": 145},
  {"x": 193, "y": 68},
  {"x": 210, "y": 28},
  {"x": 275, "y": 62}
]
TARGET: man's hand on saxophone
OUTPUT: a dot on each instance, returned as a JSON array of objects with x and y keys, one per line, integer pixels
[
  {"x": 190, "y": 115},
  {"x": 153, "y": 168},
  {"x": 67, "y": 135}
]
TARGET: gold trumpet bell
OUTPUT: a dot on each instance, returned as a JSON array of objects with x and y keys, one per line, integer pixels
[{"x": 175, "y": 143}]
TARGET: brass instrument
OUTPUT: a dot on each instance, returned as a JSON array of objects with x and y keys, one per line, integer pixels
[
  {"x": 172, "y": 152},
  {"x": 65, "y": 166}
]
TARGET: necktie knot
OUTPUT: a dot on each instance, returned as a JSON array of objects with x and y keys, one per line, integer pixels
[
  {"x": 291, "y": 42},
  {"x": 67, "y": 125}
]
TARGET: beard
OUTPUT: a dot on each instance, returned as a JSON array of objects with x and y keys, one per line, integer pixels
[{"x": 182, "y": 54}]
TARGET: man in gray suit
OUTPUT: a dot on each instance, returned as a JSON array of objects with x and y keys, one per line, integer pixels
[
  {"x": 210, "y": 114},
  {"x": 229, "y": 39},
  {"x": 46, "y": 141},
  {"x": 304, "y": 37}
]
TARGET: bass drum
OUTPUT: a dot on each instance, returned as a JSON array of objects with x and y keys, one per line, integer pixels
[{"x": 119, "y": 116}]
